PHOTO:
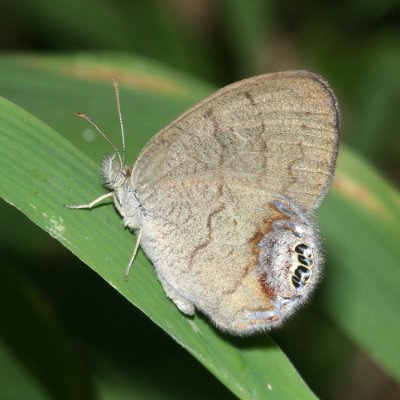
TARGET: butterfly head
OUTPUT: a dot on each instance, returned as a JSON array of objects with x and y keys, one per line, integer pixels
[{"x": 114, "y": 172}]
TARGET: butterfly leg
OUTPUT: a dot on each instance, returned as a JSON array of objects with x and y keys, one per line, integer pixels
[
  {"x": 183, "y": 304},
  {"x": 91, "y": 204},
  {"x": 135, "y": 250}
]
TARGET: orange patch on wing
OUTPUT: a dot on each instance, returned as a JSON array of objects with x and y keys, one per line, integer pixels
[
  {"x": 268, "y": 291},
  {"x": 266, "y": 227}
]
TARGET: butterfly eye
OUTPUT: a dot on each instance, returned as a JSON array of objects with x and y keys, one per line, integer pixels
[{"x": 114, "y": 174}]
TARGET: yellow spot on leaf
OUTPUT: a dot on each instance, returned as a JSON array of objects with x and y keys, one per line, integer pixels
[
  {"x": 359, "y": 194},
  {"x": 93, "y": 71}
]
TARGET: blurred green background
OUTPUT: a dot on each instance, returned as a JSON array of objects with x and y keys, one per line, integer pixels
[{"x": 107, "y": 343}]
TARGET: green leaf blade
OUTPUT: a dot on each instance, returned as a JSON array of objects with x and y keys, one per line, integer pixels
[{"x": 52, "y": 172}]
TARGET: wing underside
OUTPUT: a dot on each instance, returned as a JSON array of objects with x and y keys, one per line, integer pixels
[
  {"x": 206, "y": 182},
  {"x": 277, "y": 133}
]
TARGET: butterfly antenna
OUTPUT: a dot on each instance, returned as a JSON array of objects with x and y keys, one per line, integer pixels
[
  {"x": 87, "y": 118},
  {"x": 121, "y": 123}
]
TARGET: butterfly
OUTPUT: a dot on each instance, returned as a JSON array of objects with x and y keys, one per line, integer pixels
[{"x": 223, "y": 198}]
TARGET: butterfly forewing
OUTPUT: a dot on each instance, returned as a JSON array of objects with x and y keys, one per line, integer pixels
[{"x": 276, "y": 133}]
